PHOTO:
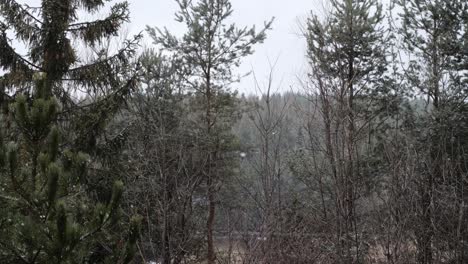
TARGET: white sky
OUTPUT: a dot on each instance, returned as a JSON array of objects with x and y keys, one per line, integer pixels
[{"x": 283, "y": 44}]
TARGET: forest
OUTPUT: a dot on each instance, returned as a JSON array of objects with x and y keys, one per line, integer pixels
[{"x": 139, "y": 149}]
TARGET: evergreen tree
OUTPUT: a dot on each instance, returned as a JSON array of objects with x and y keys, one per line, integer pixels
[
  {"x": 212, "y": 49},
  {"x": 48, "y": 214},
  {"x": 434, "y": 34},
  {"x": 347, "y": 55}
]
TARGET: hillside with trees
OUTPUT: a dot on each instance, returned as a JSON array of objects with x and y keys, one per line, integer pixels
[{"x": 139, "y": 149}]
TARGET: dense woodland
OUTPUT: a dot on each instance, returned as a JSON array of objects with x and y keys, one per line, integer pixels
[{"x": 138, "y": 149}]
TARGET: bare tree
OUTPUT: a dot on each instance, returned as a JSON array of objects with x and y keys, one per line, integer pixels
[{"x": 163, "y": 167}]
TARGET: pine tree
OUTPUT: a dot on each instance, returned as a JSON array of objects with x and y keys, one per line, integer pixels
[
  {"x": 48, "y": 214},
  {"x": 348, "y": 70},
  {"x": 212, "y": 49},
  {"x": 434, "y": 34}
]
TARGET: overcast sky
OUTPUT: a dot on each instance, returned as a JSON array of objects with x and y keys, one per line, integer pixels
[{"x": 284, "y": 43}]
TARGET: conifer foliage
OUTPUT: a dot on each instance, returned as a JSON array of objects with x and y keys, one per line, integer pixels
[
  {"x": 213, "y": 49},
  {"x": 434, "y": 35},
  {"x": 348, "y": 62},
  {"x": 47, "y": 214}
]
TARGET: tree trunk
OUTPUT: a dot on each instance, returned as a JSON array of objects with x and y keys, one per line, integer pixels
[{"x": 211, "y": 256}]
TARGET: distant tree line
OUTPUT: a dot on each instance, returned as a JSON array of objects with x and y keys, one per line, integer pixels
[{"x": 133, "y": 155}]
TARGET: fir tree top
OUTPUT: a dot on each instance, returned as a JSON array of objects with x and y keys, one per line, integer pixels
[{"x": 52, "y": 33}]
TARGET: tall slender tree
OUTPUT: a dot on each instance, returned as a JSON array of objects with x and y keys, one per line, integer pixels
[
  {"x": 434, "y": 34},
  {"x": 213, "y": 49},
  {"x": 348, "y": 72}
]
